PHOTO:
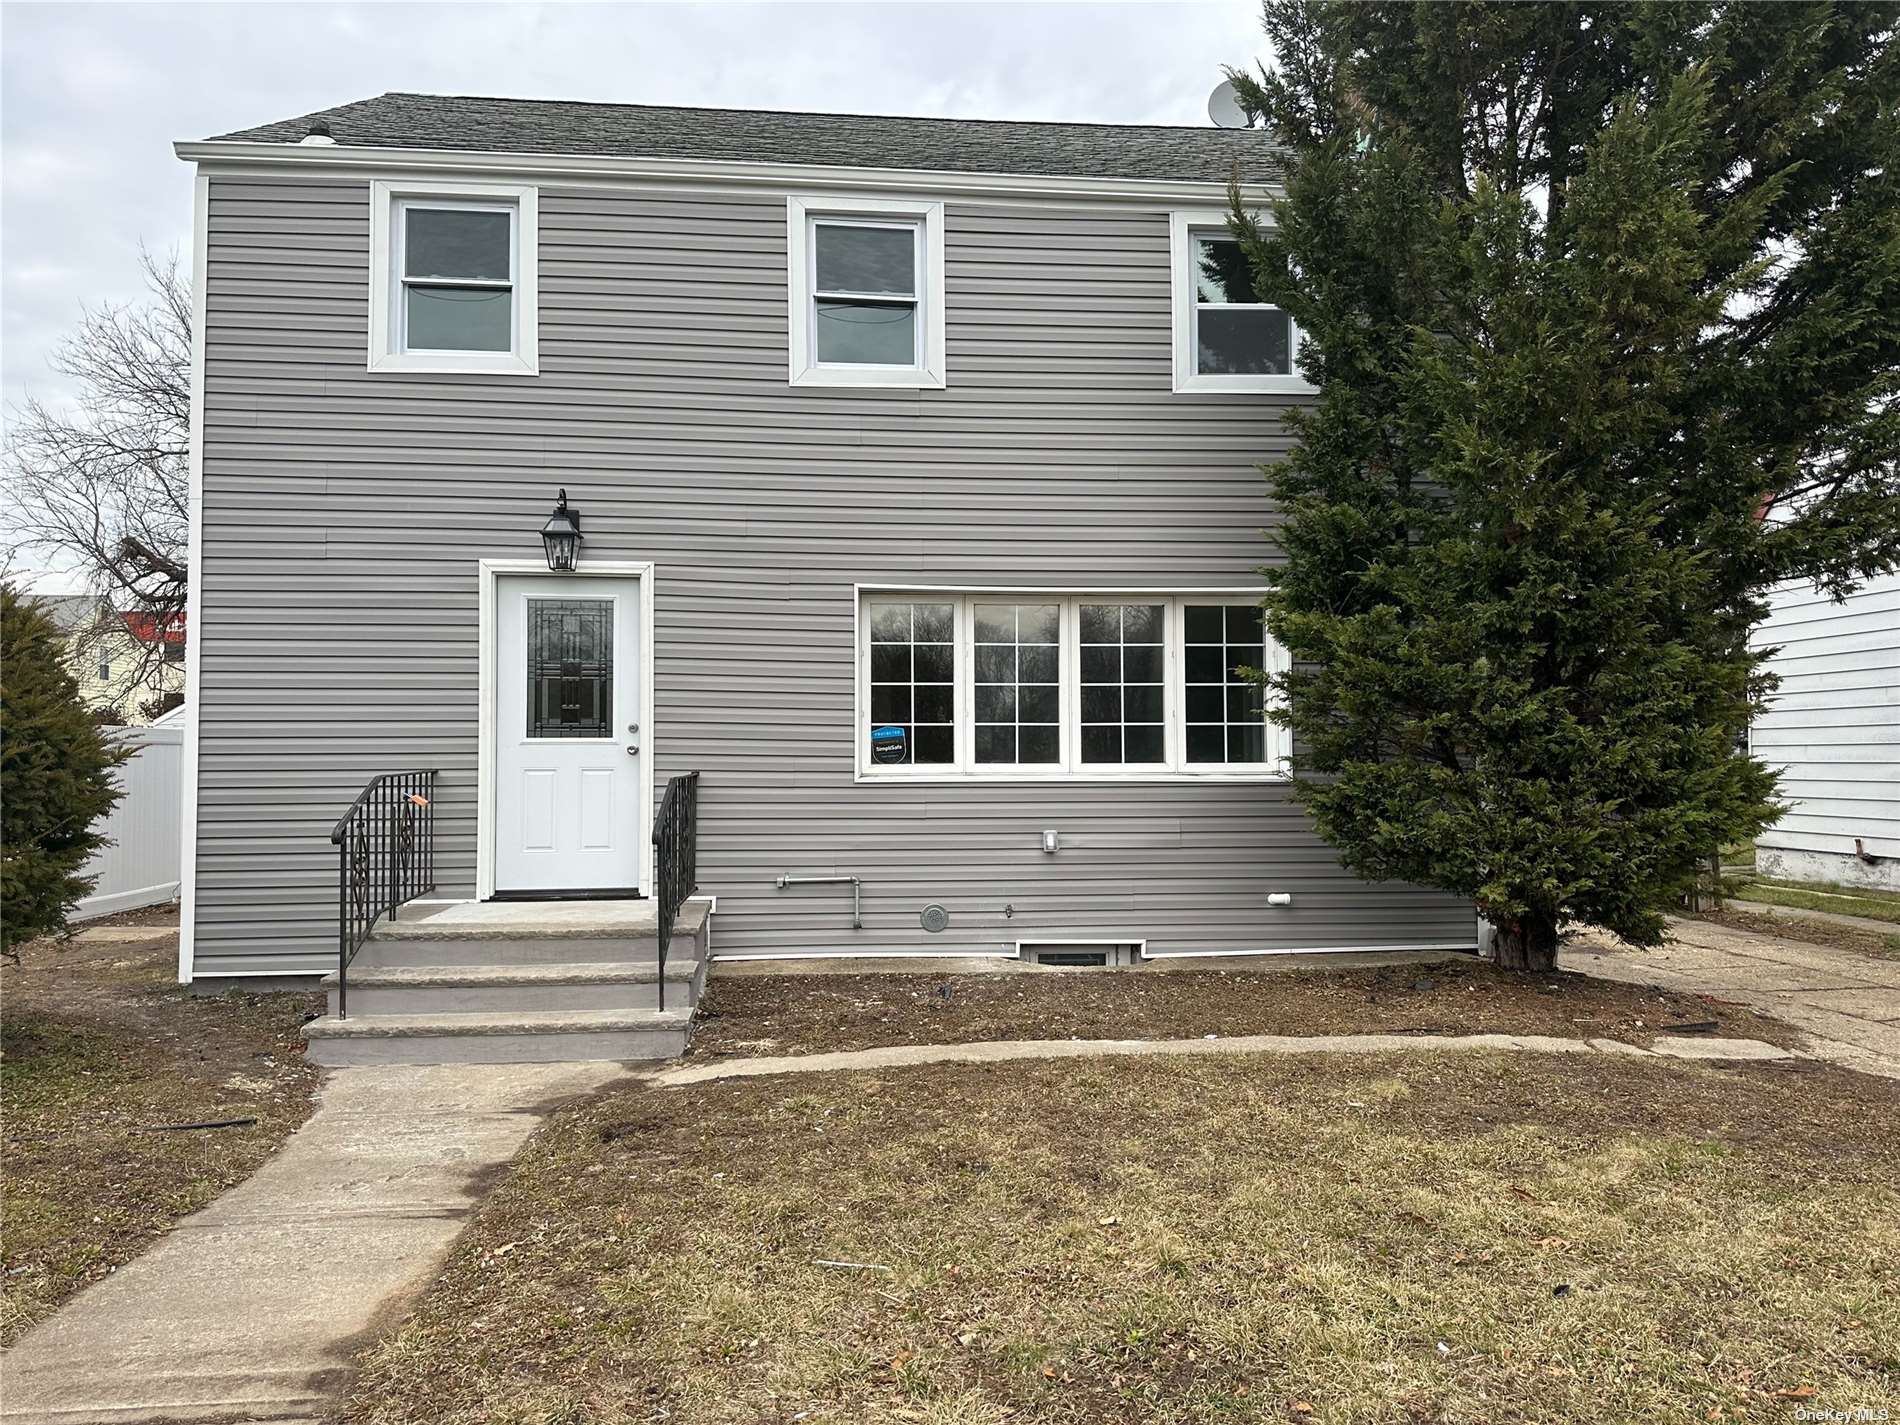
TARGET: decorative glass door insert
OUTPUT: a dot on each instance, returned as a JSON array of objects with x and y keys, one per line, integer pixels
[{"x": 570, "y": 651}]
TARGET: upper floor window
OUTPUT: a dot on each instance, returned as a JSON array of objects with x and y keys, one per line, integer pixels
[
  {"x": 866, "y": 284},
  {"x": 457, "y": 275},
  {"x": 453, "y": 278},
  {"x": 1225, "y": 337}
]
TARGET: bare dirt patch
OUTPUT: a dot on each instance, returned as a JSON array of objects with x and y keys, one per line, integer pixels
[
  {"x": 1426, "y": 1237},
  {"x": 99, "y": 1051},
  {"x": 806, "y": 1014},
  {"x": 1832, "y": 934}
]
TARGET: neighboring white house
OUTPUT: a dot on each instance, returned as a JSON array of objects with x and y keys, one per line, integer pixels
[{"x": 1834, "y": 729}]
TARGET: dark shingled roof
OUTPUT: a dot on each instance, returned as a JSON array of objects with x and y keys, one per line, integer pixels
[{"x": 546, "y": 126}]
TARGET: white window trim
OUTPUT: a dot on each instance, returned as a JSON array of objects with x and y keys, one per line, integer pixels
[
  {"x": 385, "y": 310},
  {"x": 805, "y": 370},
  {"x": 1071, "y": 768},
  {"x": 1183, "y": 223}
]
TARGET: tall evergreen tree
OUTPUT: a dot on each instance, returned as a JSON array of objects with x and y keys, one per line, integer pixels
[
  {"x": 55, "y": 778},
  {"x": 1603, "y": 305}
]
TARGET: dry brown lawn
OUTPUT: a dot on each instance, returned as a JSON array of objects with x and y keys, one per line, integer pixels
[
  {"x": 100, "y": 1049},
  {"x": 799, "y": 1014},
  {"x": 1432, "y": 1237}
]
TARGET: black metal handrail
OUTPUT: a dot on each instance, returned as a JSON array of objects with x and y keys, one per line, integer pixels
[
  {"x": 385, "y": 857},
  {"x": 675, "y": 858}
]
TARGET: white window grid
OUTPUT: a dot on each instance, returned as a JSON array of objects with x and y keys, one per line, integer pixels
[
  {"x": 1021, "y": 687},
  {"x": 1070, "y": 767}
]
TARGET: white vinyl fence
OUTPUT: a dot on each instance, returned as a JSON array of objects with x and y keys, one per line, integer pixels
[{"x": 140, "y": 867}]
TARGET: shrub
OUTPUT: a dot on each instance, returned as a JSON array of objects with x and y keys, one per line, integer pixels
[{"x": 55, "y": 777}]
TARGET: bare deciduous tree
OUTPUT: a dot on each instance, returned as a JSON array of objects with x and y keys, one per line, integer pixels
[{"x": 101, "y": 483}]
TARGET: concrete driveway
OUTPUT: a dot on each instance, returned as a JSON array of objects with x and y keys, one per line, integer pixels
[{"x": 1848, "y": 1002}]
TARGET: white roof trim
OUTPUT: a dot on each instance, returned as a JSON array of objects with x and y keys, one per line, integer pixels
[{"x": 374, "y": 159}]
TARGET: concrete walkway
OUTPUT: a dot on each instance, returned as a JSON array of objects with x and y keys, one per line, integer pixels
[
  {"x": 251, "y": 1309},
  {"x": 1847, "y": 1002},
  {"x": 995, "y": 1051}
]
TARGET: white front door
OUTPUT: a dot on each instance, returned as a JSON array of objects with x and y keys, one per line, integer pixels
[{"x": 570, "y": 811}]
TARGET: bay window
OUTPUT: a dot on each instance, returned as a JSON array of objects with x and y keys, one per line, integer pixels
[{"x": 1046, "y": 685}]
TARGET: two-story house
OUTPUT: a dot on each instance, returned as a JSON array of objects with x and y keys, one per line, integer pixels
[{"x": 899, "y": 477}]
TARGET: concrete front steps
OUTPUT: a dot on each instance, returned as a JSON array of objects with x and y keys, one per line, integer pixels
[{"x": 516, "y": 982}]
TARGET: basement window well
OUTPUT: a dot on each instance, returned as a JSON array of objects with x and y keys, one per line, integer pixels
[{"x": 1081, "y": 954}]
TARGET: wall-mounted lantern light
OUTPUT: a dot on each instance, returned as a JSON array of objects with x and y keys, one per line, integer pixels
[{"x": 561, "y": 537}]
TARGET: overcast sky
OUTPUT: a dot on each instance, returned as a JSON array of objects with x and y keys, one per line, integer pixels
[{"x": 95, "y": 94}]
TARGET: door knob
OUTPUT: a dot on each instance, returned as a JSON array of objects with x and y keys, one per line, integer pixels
[{"x": 633, "y": 752}]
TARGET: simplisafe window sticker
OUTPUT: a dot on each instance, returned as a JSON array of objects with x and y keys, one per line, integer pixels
[{"x": 888, "y": 744}]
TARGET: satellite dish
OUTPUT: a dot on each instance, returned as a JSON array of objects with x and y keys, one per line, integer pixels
[{"x": 1223, "y": 106}]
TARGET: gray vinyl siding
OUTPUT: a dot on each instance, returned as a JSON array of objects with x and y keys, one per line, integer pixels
[{"x": 345, "y": 513}]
